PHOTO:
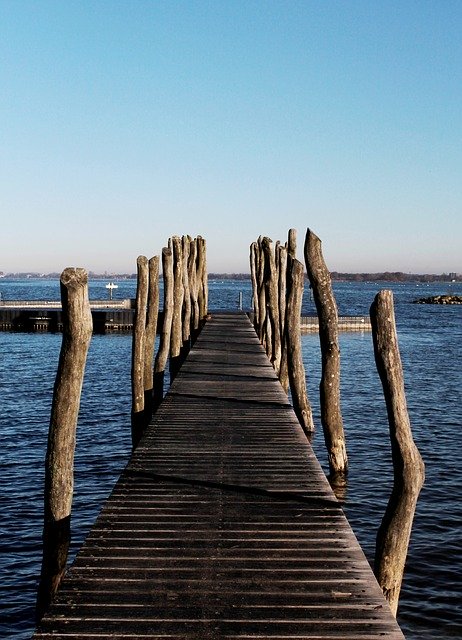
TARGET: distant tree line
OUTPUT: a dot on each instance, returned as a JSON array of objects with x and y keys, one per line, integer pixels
[
  {"x": 55, "y": 276},
  {"x": 395, "y": 276},
  {"x": 386, "y": 276}
]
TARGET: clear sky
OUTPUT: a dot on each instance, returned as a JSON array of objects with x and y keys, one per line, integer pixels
[{"x": 124, "y": 122}]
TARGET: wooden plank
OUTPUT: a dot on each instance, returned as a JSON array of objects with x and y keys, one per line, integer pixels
[{"x": 223, "y": 524}]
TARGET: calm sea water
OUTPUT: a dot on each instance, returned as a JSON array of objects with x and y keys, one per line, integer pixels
[{"x": 430, "y": 339}]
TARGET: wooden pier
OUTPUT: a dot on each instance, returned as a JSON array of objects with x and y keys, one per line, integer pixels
[
  {"x": 223, "y": 524},
  {"x": 116, "y": 316},
  {"x": 310, "y": 324},
  {"x": 42, "y": 316}
]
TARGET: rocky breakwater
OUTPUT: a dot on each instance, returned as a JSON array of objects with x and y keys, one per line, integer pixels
[{"x": 444, "y": 299}]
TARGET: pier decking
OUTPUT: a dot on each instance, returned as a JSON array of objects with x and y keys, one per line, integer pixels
[{"x": 223, "y": 524}]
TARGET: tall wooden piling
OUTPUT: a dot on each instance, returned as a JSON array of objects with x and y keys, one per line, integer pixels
[
  {"x": 150, "y": 336},
  {"x": 59, "y": 462},
  {"x": 271, "y": 281},
  {"x": 292, "y": 243},
  {"x": 201, "y": 278},
  {"x": 253, "y": 275},
  {"x": 193, "y": 289},
  {"x": 282, "y": 295},
  {"x": 186, "y": 321},
  {"x": 176, "y": 338},
  {"x": 277, "y": 287},
  {"x": 138, "y": 350},
  {"x": 408, "y": 467},
  {"x": 164, "y": 340},
  {"x": 261, "y": 292},
  {"x": 297, "y": 379},
  {"x": 331, "y": 416}
]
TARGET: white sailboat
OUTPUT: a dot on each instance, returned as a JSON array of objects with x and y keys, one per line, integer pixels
[{"x": 111, "y": 286}]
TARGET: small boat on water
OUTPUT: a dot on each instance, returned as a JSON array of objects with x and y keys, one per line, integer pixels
[{"x": 111, "y": 286}]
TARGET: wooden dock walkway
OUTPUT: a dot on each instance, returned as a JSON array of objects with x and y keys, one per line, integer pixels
[{"x": 223, "y": 524}]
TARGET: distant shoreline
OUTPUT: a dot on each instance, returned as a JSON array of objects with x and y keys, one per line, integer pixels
[{"x": 386, "y": 276}]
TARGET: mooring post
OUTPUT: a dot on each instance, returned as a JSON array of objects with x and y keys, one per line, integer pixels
[
  {"x": 138, "y": 350},
  {"x": 193, "y": 289},
  {"x": 272, "y": 297},
  {"x": 331, "y": 416},
  {"x": 253, "y": 275},
  {"x": 202, "y": 284},
  {"x": 59, "y": 462},
  {"x": 187, "y": 307},
  {"x": 292, "y": 243},
  {"x": 164, "y": 340},
  {"x": 150, "y": 336},
  {"x": 176, "y": 339},
  {"x": 297, "y": 379},
  {"x": 282, "y": 295},
  {"x": 261, "y": 292},
  {"x": 408, "y": 467}
]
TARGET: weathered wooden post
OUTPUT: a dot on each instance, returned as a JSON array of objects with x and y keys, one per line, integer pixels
[
  {"x": 271, "y": 283},
  {"x": 261, "y": 292},
  {"x": 295, "y": 283},
  {"x": 176, "y": 339},
  {"x": 138, "y": 350},
  {"x": 331, "y": 416},
  {"x": 150, "y": 336},
  {"x": 59, "y": 462},
  {"x": 205, "y": 280},
  {"x": 292, "y": 243},
  {"x": 282, "y": 294},
  {"x": 253, "y": 275},
  {"x": 408, "y": 467},
  {"x": 187, "y": 307},
  {"x": 193, "y": 288},
  {"x": 164, "y": 341},
  {"x": 201, "y": 279}
]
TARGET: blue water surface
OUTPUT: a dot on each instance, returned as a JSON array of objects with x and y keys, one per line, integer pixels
[{"x": 429, "y": 338}]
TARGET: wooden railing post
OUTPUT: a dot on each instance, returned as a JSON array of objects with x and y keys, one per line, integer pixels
[
  {"x": 59, "y": 463},
  {"x": 331, "y": 416},
  {"x": 408, "y": 467}
]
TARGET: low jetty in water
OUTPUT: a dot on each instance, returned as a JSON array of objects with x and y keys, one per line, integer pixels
[
  {"x": 116, "y": 316},
  {"x": 46, "y": 316},
  {"x": 310, "y": 324}
]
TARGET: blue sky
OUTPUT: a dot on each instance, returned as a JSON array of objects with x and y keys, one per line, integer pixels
[{"x": 125, "y": 122}]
